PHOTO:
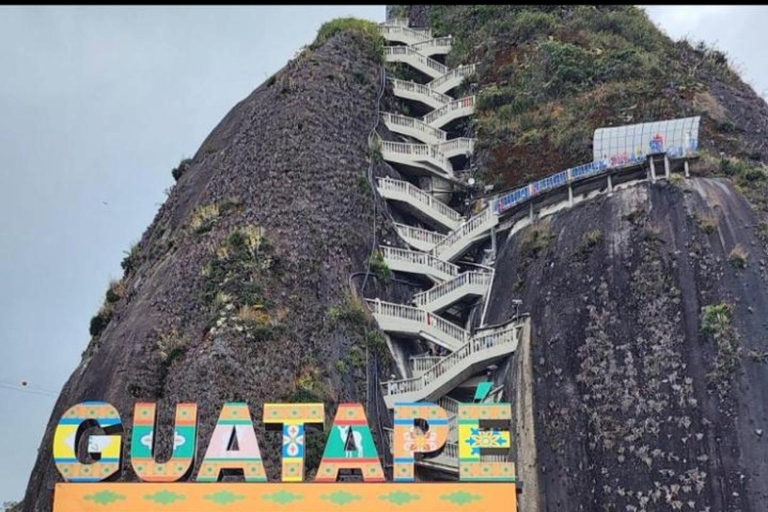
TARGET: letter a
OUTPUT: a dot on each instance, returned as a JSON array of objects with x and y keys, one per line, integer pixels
[
  {"x": 350, "y": 446},
  {"x": 233, "y": 428}
]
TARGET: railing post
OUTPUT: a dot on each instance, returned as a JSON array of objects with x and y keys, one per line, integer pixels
[
  {"x": 570, "y": 194},
  {"x": 666, "y": 165},
  {"x": 652, "y": 169},
  {"x": 493, "y": 243},
  {"x": 610, "y": 184},
  {"x": 687, "y": 170}
]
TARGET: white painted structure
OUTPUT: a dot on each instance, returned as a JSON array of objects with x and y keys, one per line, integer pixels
[
  {"x": 451, "y": 79},
  {"x": 407, "y": 55},
  {"x": 478, "y": 351},
  {"x": 434, "y": 46},
  {"x": 443, "y": 295},
  {"x": 415, "y": 322},
  {"x": 426, "y": 157},
  {"x": 417, "y": 262},
  {"x": 419, "y": 92},
  {"x": 440, "y": 117},
  {"x": 414, "y": 127},
  {"x": 459, "y": 240},
  {"x": 433, "y": 254},
  {"x": 419, "y": 238},
  {"x": 423, "y": 202}
]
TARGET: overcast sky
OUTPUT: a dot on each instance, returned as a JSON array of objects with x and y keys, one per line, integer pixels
[{"x": 97, "y": 105}]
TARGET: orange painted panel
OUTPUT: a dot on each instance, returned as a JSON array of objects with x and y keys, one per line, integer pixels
[{"x": 285, "y": 497}]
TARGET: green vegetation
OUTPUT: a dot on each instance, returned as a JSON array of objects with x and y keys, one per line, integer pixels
[
  {"x": 368, "y": 29},
  {"x": 365, "y": 185},
  {"x": 536, "y": 239},
  {"x": 12, "y": 506},
  {"x": 114, "y": 293},
  {"x": 352, "y": 311},
  {"x": 549, "y": 75},
  {"x": 376, "y": 156},
  {"x": 170, "y": 347},
  {"x": 236, "y": 283},
  {"x": 652, "y": 234},
  {"x": 758, "y": 357},
  {"x": 376, "y": 342},
  {"x": 738, "y": 256},
  {"x": 206, "y": 216},
  {"x": 399, "y": 11},
  {"x": 183, "y": 167},
  {"x": 634, "y": 217},
  {"x": 717, "y": 322},
  {"x": 309, "y": 386},
  {"x": 589, "y": 240},
  {"x": 707, "y": 223},
  {"x": 131, "y": 260},
  {"x": 100, "y": 321},
  {"x": 715, "y": 318},
  {"x": 379, "y": 267}
]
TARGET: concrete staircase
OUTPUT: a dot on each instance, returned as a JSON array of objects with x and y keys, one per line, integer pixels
[{"x": 426, "y": 151}]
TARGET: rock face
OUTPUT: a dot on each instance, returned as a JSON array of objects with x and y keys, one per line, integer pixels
[
  {"x": 628, "y": 403},
  {"x": 643, "y": 387},
  {"x": 239, "y": 290}
]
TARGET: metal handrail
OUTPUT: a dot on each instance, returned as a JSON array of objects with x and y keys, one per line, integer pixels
[
  {"x": 466, "y": 102},
  {"x": 460, "y": 71},
  {"x": 424, "y": 235},
  {"x": 419, "y": 258},
  {"x": 477, "y": 344},
  {"x": 419, "y": 195},
  {"x": 407, "y": 85},
  {"x": 466, "y": 229},
  {"x": 421, "y": 58},
  {"x": 441, "y": 290}
]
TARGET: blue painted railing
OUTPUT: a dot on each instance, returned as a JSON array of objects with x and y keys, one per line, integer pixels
[{"x": 510, "y": 199}]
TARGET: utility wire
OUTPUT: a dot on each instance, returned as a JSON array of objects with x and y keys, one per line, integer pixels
[
  {"x": 382, "y": 86},
  {"x": 23, "y": 388}
]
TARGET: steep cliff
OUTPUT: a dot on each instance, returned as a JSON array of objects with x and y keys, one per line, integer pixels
[
  {"x": 240, "y": 288},
  {"x": 648, "y": 354},
  {"x": 643, "y": 387}
]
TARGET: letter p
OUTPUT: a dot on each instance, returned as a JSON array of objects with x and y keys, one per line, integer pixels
[{"x": 409, "y": 438}]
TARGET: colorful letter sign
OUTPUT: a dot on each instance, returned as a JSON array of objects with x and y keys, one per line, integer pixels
[
  {"x": 144, "y": 440},
  {"x": 409, "y": 439},
  {"x": 419, "y": 428},
  {"x": 350, "y": 446},
  {"x": 104, "y": 448},
  {"x": 233, "y": 446},
  {"x": 475, "y": 437},
  {"x": 294, "y": 418}
]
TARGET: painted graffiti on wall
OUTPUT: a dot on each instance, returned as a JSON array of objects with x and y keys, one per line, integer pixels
[{"x": 613, "y": 148}]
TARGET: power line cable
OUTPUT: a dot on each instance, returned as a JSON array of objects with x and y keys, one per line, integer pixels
[{"x": 24, "y": 388}]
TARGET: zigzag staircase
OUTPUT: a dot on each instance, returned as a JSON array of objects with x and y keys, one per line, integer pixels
[
  {"x": 426, "y": 152},
  {"x": 426, "y": 149}
]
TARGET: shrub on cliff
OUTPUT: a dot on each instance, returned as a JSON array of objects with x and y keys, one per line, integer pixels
[{"x": 368, "y": 28}]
